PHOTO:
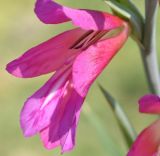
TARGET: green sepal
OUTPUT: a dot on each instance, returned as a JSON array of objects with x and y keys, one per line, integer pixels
[{"x": 126, "y": 10}]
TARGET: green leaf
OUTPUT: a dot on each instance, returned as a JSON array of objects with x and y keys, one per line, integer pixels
[
  {"x": 124, "y": 124},
  {"x": 109, "y": 145}
]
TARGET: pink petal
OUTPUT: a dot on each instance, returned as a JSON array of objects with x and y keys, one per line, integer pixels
[
  {"x": 39, "y": 108},
  {"x": 64, "y": 121},
  {"x": 148, "y": 142},
  {"x": 149, "y": 104},
  {"x": 46, "y": 57},
  {"x": 90, "y": 63},
  {"x": 51, "y": 12}
]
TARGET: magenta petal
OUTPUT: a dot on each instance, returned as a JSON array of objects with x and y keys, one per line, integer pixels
[
  {"x": 51, "y": 12},
  {"x": 46, "y": 57},
  {"x": 90, "y": 63},
  {"x": 68, "y": 141},
  {"x": 149, "y": 104},
  {"x": 39, "y": 108},
  {"x": 148, "y": 142},
  {"x": 64, "y": 121}
]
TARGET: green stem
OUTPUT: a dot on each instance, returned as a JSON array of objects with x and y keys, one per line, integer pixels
[{"x": 149, "y": 53}]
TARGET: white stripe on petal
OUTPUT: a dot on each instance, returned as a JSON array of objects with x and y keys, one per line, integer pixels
[{"x": 55, "y": 88}]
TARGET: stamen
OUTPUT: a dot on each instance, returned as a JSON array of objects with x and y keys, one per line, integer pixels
[
  {"x": 81, "y": 39},
  {"x": 95, "y": 38},
  {"x": 91, "y": 37},
  {"x": 87, "y": 39}
]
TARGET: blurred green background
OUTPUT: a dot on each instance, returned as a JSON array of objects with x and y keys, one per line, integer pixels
[{"x": 124, "y": 78}]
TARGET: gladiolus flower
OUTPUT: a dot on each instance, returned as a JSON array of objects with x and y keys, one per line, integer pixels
[
  {"x": 148, "y": 142},
  {"x": 77, "y": 57}
]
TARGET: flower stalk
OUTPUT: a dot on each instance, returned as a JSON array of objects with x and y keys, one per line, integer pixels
[{"x": 149, "y": 52}]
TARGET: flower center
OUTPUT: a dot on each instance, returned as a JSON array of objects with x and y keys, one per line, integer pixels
[
  {"x": 87, "y": 39},
  {"x": 91, "y": 37}
]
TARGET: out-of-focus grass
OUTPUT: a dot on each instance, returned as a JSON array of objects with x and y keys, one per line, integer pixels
[{"x": 124, "y": 78}]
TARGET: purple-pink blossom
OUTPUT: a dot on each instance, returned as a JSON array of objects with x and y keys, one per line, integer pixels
[
  {"x": 148, "y": 141},
  {"x": 77, "y": 57}
]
